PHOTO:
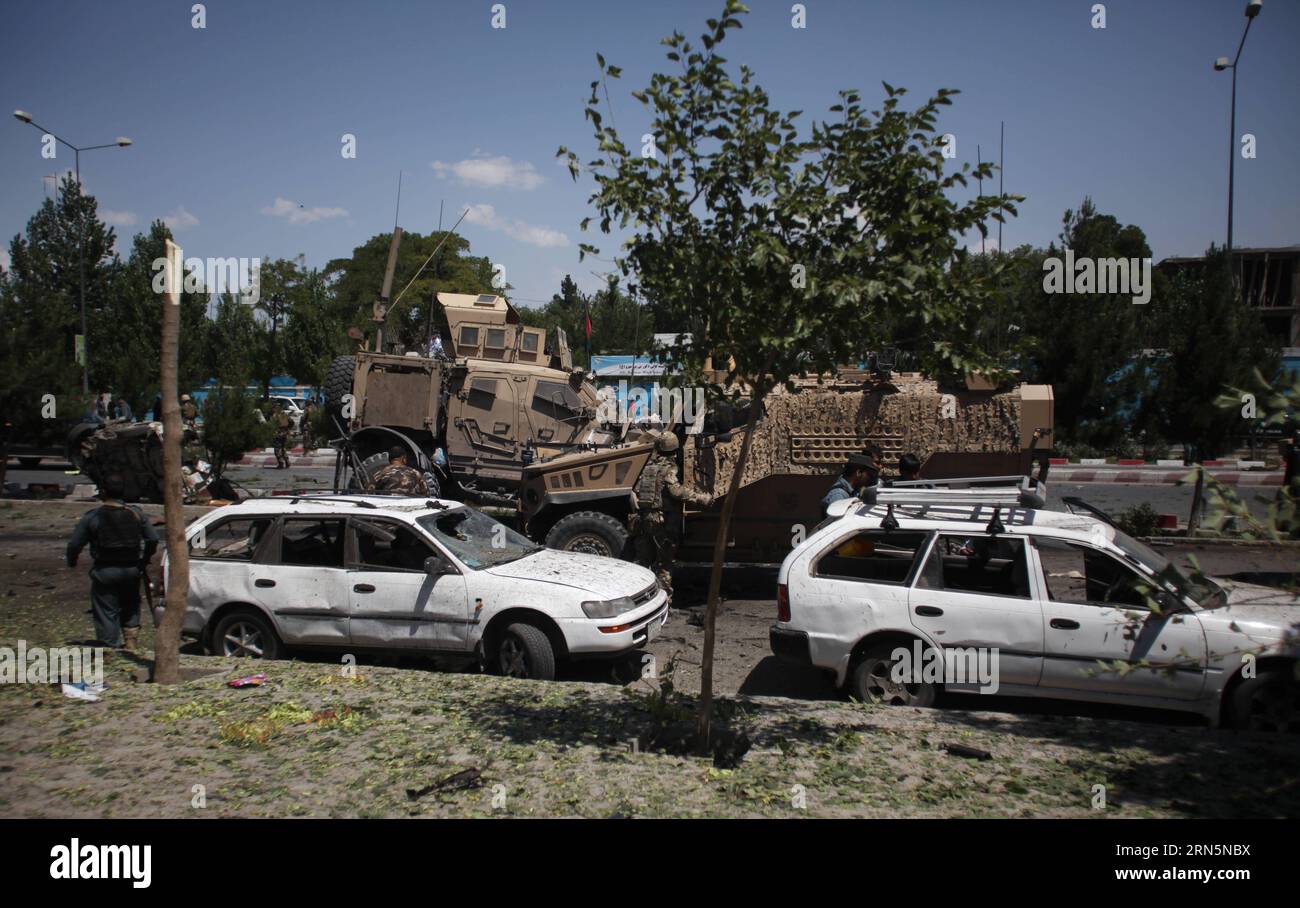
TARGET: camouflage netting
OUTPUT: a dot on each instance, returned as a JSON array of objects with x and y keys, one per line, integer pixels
[{"x": 812, "y": 431}]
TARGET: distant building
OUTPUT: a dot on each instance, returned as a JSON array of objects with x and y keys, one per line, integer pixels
[{"x": 1270, "y": 282}]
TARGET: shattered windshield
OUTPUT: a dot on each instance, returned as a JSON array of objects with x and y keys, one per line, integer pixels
[
  {"x": 1206, "y": 594},
  {"x": 476, "y": 539}
]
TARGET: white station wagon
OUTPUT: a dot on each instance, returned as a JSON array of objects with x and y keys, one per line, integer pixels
[
  {"x": 901, "y": 600},
  {"x": 401, "y": 575}
]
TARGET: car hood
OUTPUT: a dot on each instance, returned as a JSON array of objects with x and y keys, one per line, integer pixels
[
  {"x": 607, "y": 578},
  {"x": 1253, "y": 605}
]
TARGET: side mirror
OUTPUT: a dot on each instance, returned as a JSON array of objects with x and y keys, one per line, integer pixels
[{"x": 436, "y": 567}]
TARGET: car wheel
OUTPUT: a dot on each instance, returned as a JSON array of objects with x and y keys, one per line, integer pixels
[
  {"x": 871, "y": 680},
  {"x": 525, "y": 652},
  {"x": 1268, "y": 702},
  {"x": 245, "y": 634},
  {"x": 589, "y": 532}
]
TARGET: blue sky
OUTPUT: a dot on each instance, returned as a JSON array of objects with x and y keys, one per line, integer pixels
[{"x": 237, "y": 127}]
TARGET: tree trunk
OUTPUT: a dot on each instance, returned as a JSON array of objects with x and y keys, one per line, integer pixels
[
  {"x": 704, "y": 718},
  {"x": 167, "y": 641}
]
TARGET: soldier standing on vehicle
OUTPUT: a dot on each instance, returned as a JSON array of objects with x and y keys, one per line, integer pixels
[
  {"x": 654, "y": 535},
  {"x": 283, "y": 423},
  {"x": 122, "y": 542},
  {"x": 859, "y": 472},
  {"x": 398, "y": 477}
]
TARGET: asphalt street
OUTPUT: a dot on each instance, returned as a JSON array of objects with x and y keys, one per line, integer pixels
[{"x": 1112, "y": 498}]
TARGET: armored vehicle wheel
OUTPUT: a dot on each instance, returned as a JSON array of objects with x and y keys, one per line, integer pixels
[
  {"x": 590, "y": 532},
  {"x": 369, "y": 467},
  {"x": 338, "y": 382}
]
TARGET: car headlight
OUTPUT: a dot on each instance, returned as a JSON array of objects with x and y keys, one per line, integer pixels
[{"x": 600, "y": 609}]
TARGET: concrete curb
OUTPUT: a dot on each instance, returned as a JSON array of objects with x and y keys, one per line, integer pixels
[{"x": 1153, "y": 476}]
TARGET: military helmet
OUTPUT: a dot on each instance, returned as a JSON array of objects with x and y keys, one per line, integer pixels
[{"x": 666, "y": 443}]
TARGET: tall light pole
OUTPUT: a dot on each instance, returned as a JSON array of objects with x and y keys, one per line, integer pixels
[
  {"x": 1252, "y": 10},
  {"x": 121, "y": 142}
]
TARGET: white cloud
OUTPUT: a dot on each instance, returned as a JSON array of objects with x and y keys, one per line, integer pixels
[
  {"x": 486, "y": 216},
  {"x": 180, "y": 219},
  {"x": 492, "y": 173},
  {"x": 119, "y": 218},
  {"x": 5, "y": 263},
  {"x": 296, "y": 213}
]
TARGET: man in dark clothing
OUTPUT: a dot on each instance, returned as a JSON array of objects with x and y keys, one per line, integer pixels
[
  {"x": 860, "y": 471},
  {"x": 122, "y": 542},
  {"x": 909, "y": 468}
]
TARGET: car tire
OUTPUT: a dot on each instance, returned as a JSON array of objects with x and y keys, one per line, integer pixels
[
  {"x": 245, "y": 633},
  {"x": 589, "y": 532},
  {"x": 1268, "y": 702},
  {"x": 871, "y": 681},
  {"x": 525, "y": 652}
]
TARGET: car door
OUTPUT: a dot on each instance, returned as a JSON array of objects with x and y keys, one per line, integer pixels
[
  {"x": 1095, "y": 612},
  {"x": 301, "y": 580},
  {"x": 395, "y": 603},
  {"x": 973, "y": 596},
  {"x": 221, "y": 558}
]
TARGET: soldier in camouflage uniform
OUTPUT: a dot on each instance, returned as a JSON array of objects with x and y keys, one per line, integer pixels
[
  {"x": 283, "y": 425},
  {"x": 398, "y": 477},
  {"x": 655, "y": 536}
]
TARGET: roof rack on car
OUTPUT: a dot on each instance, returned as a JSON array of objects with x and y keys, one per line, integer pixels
[{"x": 969, "y": 496}]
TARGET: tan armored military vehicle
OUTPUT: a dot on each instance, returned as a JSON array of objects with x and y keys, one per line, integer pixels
[
  {"x": 581, "y": 500},
  {"x": 473, "y": 417},
  {"x": 497, "y": 420}
]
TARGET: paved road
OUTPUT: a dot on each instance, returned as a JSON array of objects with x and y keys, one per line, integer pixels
[{"x": 1110, "y": 497}]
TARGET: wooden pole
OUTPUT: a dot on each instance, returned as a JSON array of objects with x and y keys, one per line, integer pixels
[{"x": 167, "y": 641}]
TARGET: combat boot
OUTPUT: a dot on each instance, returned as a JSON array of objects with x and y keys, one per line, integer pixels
[{"x": 130, "y": 638}]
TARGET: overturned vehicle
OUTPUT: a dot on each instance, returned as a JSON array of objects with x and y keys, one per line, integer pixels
[
  {"x": 133, "y": 450},
  {"x": 497, "y": 420}
]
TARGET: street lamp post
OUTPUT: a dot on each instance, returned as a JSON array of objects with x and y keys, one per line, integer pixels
[
  {"x": 1252, "y": 10},
  {"x": 121, "y": 142}
]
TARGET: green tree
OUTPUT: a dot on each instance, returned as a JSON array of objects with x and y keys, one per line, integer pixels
[
  {"x": 357, "y": 282},
  {"x": 618, "y": 324},
  {"x": 770, "y": 242},
  {"x": 313, "y": 334},
  {"x": 63, "y": 241},
  {"x": 277, "y": 286},
  {"x": 126, "y": 334},
  {"x": 1085, "y": 344},
  {"x": 1213, "y": 341}
]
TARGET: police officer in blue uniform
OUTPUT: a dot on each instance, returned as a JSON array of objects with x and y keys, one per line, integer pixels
[{"x": 122, "y": 542}]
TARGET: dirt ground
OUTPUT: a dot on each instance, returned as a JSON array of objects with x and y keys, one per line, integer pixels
[{"x": 312, "y": 742}]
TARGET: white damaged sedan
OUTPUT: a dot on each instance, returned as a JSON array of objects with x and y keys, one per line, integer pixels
[{"x": 400, "y": 575}]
